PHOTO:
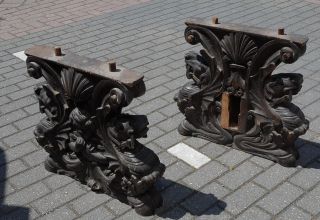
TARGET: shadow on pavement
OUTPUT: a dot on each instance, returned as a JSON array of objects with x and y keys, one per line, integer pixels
[
  {"x": 6, "y": 211},
  {"x": 194, "y": 202},
  {"x": 308, "y": 153}
]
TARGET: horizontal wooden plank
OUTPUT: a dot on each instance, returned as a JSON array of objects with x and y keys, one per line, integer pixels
[{"x": 86, "y": 65}]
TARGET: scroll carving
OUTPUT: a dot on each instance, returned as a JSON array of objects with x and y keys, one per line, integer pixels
[
  {"x": 233, "y": 98},
  {"x": 88, "y": 137}
]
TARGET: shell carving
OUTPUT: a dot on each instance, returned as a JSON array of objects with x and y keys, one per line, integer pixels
[
  {"x": 238, "y": 48},
  {"x": 76, "y": 86}
]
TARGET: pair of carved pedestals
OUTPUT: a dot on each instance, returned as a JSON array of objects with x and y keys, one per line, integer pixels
[{"x": 233, "y": 99}]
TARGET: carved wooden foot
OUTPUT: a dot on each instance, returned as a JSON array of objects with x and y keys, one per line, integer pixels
[
  {"x": 85, "y": 133},
  {"x": 233, "y": 98}
]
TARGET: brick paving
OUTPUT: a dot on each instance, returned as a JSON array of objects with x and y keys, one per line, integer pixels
[
  {"x": 148, "y": 37},
  {"x": 22, "y": 17}
]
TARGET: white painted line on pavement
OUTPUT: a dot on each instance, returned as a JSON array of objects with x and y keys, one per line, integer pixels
[
  {"x": 20, "y": 55},
  {"x": 189, "y": 155}
]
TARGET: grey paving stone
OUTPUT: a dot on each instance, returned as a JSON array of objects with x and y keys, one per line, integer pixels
[
  {"x": 176, "y": 83},
  {"x": 134, "y": 216},
  {"x": 28, "y": 83},
  {"x": 159, "y": 62},
  {"x": 6, "y": 188},
  {"x": 176, "y": 213},
  {"x": 240, "y": 175},
  {"x": 154, "y": 93},
  {"x": 166, "y": 158},
  {"x": 177, "y": 171},
  {"x": 56, "y": 181},
  {"x": 99, "y": 213},
  {"x": 168, "y": 140},
  {"x": 200, "y": 177},
  {"x": 29, "y": 121},
  {"x": 307, "y": 177},
  {"x": 31, "y": 109},
  {"x": 160, "y": 71},
  {"x": 213, "y": 150},
  {"x": 117, "y": 207},
  {"x": 26, "y": 195},
  {"x": 233, "y": 157},
  {"x": 201, "y": 201},
  {"x": 155, "y": 117},
  {"x": 155, "y": 148},
  {"x": 170, "y": 110},
  {"x": 315, "y": 125},
  {"x": 243, "y": 197},
  {"x": 156, "y": 81},
  {"x": 8, "y": 89},
  {"x": 63, "y": 213},
  {"x": 215, "y": 213},
  {"x": 171, "y": 123},
  {"x": 294, "y": 213},
  {"x": 57, "y": 198},
  {"x": 17, "y": 152},
  {"x": 12, "y": 168},
  {"x": 35, "y": 158},
  {"x": 4, "y": 100},
  {"x": 138, "y": 62},
  {"x": 278, "y": 173},
  {"x": 163, "y": 46},
  {"x": 19, "y": 138},
  {"x": 161, "y": 54},
  {"x": 12, "y": 81},
  {"x": 261, "y": 161},
  {"x": 280, "y": 198},
  {"x": 308, "y": 97},
  {"x": 21, "y": 93},
  {"x": 254, "y": 213},
  {"x": 218, "y": 190},
  {"x": 7, "y": 130},
  {"x": 12, "y": 116},
  {"x": 150, "y": 106},
  {"x": 195, "y": 142},
  {"x": 173, "y": 195},
  {"x": 153, "y": 133},
  {"x": 29, "y": 176},
  {"x": 89, "y": 201},
  {"x": 312, "y": 110},
  {"x": 311, "y": 201}
]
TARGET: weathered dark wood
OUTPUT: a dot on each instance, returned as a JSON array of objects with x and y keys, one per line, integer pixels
[
  {"x": 234, "y": 99},
  {"x": 86, "y": 65},
  {"x": 85, "y": 132}
]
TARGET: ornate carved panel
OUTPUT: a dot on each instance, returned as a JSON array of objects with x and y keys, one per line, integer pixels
[
  {"x": 84, "y": 130},
  {"x": 233, "y": 98}
]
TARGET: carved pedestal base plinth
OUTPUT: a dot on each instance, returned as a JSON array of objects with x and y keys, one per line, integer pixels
[
  {"x": 85, "y": 133},
  {"x": 233, "y": 98}
]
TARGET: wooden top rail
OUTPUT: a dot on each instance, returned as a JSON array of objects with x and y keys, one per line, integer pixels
[
  {"x": 107, "y": 69},
  {"x": 249, "y": 30}
]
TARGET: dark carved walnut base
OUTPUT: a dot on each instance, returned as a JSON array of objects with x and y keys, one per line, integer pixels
[
  {"x": 233, "y": 98},
  {"x": 85, "y": 133}
]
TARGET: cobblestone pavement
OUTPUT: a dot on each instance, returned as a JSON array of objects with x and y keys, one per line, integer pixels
[
  {"x": 148, "y": 37},
  {"x": 21, "y": 17}
]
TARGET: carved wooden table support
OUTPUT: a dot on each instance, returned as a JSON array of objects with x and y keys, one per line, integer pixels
[
  {"x": 85, "y": 133},
  {"x": 233, "y": 98}
]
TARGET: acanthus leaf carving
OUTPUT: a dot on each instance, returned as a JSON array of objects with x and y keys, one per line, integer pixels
[
  {"x": 89, "y": 138},
  {"x": 234, "y": 99}
]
